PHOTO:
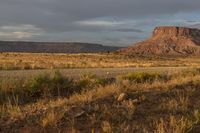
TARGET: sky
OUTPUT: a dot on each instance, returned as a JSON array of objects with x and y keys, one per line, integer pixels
[{"x": 108, "y": 22}]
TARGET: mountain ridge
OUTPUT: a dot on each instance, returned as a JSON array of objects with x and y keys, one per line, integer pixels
[{"x": 54, "y": 47}]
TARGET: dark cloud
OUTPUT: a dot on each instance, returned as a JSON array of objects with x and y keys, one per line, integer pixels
[
  {"x": 129, "y": 30},
  {"x": 61, "y": 16}
]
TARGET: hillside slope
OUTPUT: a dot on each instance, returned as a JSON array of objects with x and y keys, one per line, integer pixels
[
  {"x": 53, "y": 47},
  {"x": 175, "y": 41}
]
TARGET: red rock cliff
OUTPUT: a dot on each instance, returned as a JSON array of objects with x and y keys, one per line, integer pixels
[
  {"x": 172, "y": 31},
  {"x": 169, "y": 40}
]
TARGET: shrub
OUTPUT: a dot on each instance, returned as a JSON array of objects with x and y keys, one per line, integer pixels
[
  {"x": 50, "y": 85},
  {"x": 47, "y": 86},
  {"x": 51, "y": 118},
  {"x": 9, "y": 89},
  {"x": 104, "y": 81},
  {"x": 140, "y": 77},
  {"x": 190, "y": 72},
  {"x": 87, "y": 80}
]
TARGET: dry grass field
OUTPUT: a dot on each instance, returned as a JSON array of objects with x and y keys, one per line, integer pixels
[
  {"x": 98, "y": 93},
  {"x": 137, "y": 102},
  {"x": 16, "y": 61}
]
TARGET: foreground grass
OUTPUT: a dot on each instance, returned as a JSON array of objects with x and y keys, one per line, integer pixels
[
  {"x": 23, "y": 61},
  {"x": 136, "y": 102}
]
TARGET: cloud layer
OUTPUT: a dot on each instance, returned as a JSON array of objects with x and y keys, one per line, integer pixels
[{"x": 106, "y": 21}]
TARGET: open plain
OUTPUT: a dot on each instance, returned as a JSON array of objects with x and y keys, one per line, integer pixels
[
  {"x": 108, "y": 93},
  {"x": 30, "y": 61}
]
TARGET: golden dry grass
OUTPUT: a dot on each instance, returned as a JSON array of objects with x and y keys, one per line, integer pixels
[
  {"x": 150, "y": 102},
  {"x": 10, "y": 61},
  {"x": 159, "y": 105}
]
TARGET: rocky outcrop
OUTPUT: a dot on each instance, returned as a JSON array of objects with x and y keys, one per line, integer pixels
[{"x": 168, "y": 40}]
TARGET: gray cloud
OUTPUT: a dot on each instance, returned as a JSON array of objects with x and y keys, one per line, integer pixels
[
  {"x": 60, "y": 14},
  {"x": 78, "y": 16},
  {"x": 195, "y": 25},
  {"x": 129, "y": 30}
]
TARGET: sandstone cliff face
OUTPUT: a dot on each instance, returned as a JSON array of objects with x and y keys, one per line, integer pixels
[{"x": 168, "y": 41}]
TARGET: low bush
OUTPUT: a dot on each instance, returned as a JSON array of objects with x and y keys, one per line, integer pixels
[
  {"x": 87, "y": 80},
  {"x": 50, "y": 85},
  {"x": 47, "y": 86},
  {"x": 190, "y": 72},
  {"x": 90, "y": 81},
  {"x": 140, "y": 77},
  {"x": 105, "y": 81},
  {"x": 42, "y": 86},
  {"x": 10, "y": 89}
]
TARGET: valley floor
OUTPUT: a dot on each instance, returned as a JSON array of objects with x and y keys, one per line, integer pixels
[
  {"x": 32, "y": 61},
  {"x": 98, "y": 93},
  {"x": 138, "y": 102}
]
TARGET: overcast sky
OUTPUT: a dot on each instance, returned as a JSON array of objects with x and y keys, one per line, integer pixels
[{"x": 109, "y": 22}]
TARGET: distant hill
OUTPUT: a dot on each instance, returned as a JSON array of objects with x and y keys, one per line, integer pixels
[
  {"x": 168, "y": 41},
  {"x": 54, "y": 47}
]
